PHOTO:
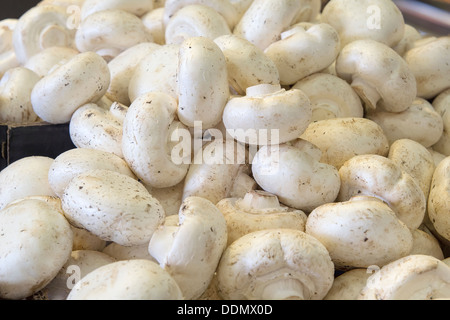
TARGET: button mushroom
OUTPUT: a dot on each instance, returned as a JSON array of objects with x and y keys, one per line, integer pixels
[
  {"x": 378, "y": 176},
  {"x": 275, "y": 264},
  {"x": 348, "y": 285},
  {"x": 127, "y": 280},
  {"x": 45, "y": 61},
  {"x": 415, "y": 277},
  {"x": 442, "y": 106},
  {"x": 360, "y": 232},
  {"x": 190, "y": 250},
  {"x": 265, "y": 109},
  {"x": 113, "y": 206},
  {"x": 136, "y": 7},
  {"x": 8, "y": 57},
  {"x": 153, "y": 22},
  {"x": 258, "y": 210},
  {"x": 378, "y": 86}
]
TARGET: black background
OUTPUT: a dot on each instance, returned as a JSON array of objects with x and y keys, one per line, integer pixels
[{"x": 15, "y": 8}]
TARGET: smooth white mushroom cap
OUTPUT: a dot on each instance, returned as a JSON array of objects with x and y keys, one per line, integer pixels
[
  {"x": 378, "y": 176},
  {"x": 127, "y": 280},
  {"x": 331, "y": 97},
  {"x": 360, "y": 232},
  {"x": 113, "y": 206},
  {"x": 48, "y": 59},
  {"x": 136, "y": 7},
  {"x": 190, "y": 251},
  {"x": 8, "y": 58},
  {"x": 36, "y": 241},
  {"x": 415, "y": 277},
  {"x": 25, "y": 177},
  {"x": 390, "y": 85},
  {"x": 442, "y": 106},
  {"x": 83, "y": 79},
  {"x": 275, "y": 264},
  {"x": 153, "y": 22},
  {"x": 348, "y": 285},
  {"x": 410, "y": 36},
  {"x": 267, "y": 114},
  {"x": 427, "y": 244},
  {"x": 306, "y": 50},
  {"x": 299, "y": 180},
  {"x": 120, "y": 252},
  {"x": 73, "y": 162},
  {"x": 340, "y": 139},
  {"x": 379, "y": 20},
  {"x": 439, "y": 199}
]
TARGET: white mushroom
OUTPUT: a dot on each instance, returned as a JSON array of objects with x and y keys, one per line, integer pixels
[
  {"x": 442, "y": 106},
  {"x": 8, "y": 57},
  {"x": 340, "y": 139},
  {"x": 127, "y": 280},
  {"x": 415, "y": 277},
  {"x": 153, "y": 22},
  {"x": 203, "y": 89},
  {"x": 43, "y": 62},
  {"x": 223, "y": 7},
  {"x": 83, "y": 79},
  {"x": 426, "y": 244},
  {"x": 379, "y": 20},
  {"x": 191, "y": 250},
  {"x": 410, "y": 36},
  {"x": 308, "y": 49},
  {"x": 146, "y": 143},
  {"x": 439, "y": 199},
  {"x": 378, "y": 176},
  {"x": 15, "y": 96},
  {"x": 247, "y": 65},
  {"x": 25, "y": 177},
  {"x": 73, "y": 162},
  {"x": 170, "y": 197},
  {"x": 136, "y": 7},
  {"x": 267, "y": 114},
  {"x": 331, "y": 97},
  {"x": 416, "y": 160},
  {"x": 121, "y": 69},
  {"x": 428, "y": 123},
  {"x": 79, "y": 264},
  {"x": 110, "y": 32},
  {"x": 122, "y": 253},
  {"x": 158, "y": 71},
  {"x": 299, "y": 180},
  {"x": 378, "y": 74},
  {"x": 265, "y": 20},
  {"x": 258, "y": 210},
  {"x": 39, "y": 28},
  {"x": 348, "y": 285},
  {"x": 85, "y": 240},
  {"x": 360, "y": 232},
  {"x": 195, "y": 20},
  {"x": 275, "y": 264},
  {"x": 35, "y": 243},
  {"x": 241, "y": 7},
  {"x": 94, "y": 127},
  {"x": 113, "y": 206},
  {"x": 430, "y": 64}
]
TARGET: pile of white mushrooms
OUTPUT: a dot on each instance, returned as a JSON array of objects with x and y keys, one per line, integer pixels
[{"x": 227, "y": 149}]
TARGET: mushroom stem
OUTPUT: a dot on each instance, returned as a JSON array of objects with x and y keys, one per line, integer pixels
[
  {"x": 367, "y": 93},
  {"x": 258, "y": 200},
  {"x": 285, "y": 289},
  {"x": 262, "y": 89}
]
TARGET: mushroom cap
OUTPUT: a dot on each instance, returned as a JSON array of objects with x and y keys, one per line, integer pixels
[
  {"x": 380, "y": 86},
  {"x": 247, "y": 65},
  {"x": 441, "y": 105},
  {"x": 430, "y": 64},
  {"x": 360, "y": 233},
  {"x": 258, "y": 210},
  {"x": 439, "y": 199},
  {"x": 266, "y": 109},
  {"x": 331, "y": 97},
  {"x": 83, "y": 79},
  {"x": 120, "y": 252},
  {"x": 36, "y": 241},
  {"x": 308, "y": 49},
  {"x": 113, "y": 206},
  {"x": 190, "y": 251},
  {"x": 348, "y": 285},
  {"x": 153, "y": 22},
  {"x": 414, "y": 277},
  {"x": 427, "y": 244},
  {"x": 378, "y": 176},
  {"x": 94, "y": 127},
  {"x": 428, "y": 123},
  {"x": 340, "y": 139},
  {"x": 86, "y": 240},
  {"x": 73, "y": 162},
  {"x": 146, "y": 143},
  {"x": 136, "y": 7},
  {"x": 259, "y": 263},
  {"x": 298, "y": 179},
  {"x": 138, "y": 279},
  {"x": 43, "y": 62},
  {"x": 25, "y": 177},
  {"x": 379, "y": 20}
]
